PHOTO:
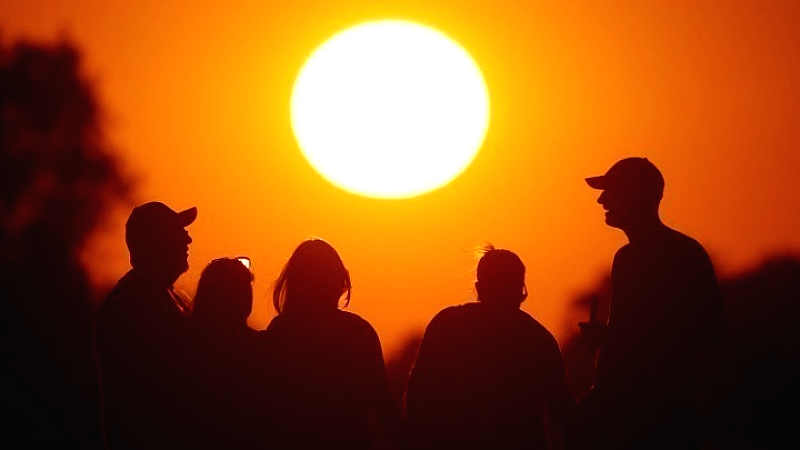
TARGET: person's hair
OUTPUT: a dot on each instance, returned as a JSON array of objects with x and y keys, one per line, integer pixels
[
  {"x": 501, "y": 275},
  {"x": 224, "y": 292},
  {"x": 314, "y": 278}
]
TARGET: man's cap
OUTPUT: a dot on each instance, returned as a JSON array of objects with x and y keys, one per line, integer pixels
[
  {"x": 152, "y": 219},
  {"x": 631, "y": 173}
]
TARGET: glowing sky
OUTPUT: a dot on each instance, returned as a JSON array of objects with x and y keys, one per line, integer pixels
[{"x": 198, "y": 106}]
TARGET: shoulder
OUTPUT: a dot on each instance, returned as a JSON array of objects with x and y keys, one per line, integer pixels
[
  {"x": 684, "y": 242},
  {"x": 689, "y": 250},
  {"x": 123, "y": 285},
  {"x": 341, "y": 320},
  {"x": 533, "y": 324},
  {"x": 355, "y": 322},
  {"x": 119, "y": 296},
  {"x": 134, "y": 287},
  {"x": 624, "y": 259},
  {"x": 358, "y": 335},
  {"x": 454, "y": 311},
  {"x": 539, "y": 332},
  {"x": 625, "y": 252},
  {"x": 352, "y": 319},
  {"x": 453, "y": 314}
]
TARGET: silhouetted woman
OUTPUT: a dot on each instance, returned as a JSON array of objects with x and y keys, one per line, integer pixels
[
  {"x": 326, "y": 366},
  {"x": 223, "y": 348}
]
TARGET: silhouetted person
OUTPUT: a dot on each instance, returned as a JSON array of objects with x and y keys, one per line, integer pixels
[
  {"x": 486, "y": 370},
  {"x": 223, "y": 345},
  {"x": 223, "y": 376},
  {"x": 664, "y": 313},
  {"x": 142, "y": 335},
  {"x": 326, "y": 367}
]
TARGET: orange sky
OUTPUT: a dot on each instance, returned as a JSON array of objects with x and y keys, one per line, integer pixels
[{"x": 198, "y": 105}]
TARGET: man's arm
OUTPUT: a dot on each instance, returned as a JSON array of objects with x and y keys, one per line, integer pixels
[{"x": 710, "y": 354}]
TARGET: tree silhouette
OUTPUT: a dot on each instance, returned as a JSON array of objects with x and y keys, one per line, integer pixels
[
  {"x": 57, "y": 178},
  {"x": 761, "y": 394}
]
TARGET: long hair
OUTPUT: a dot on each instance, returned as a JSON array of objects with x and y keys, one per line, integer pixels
[
  {"x": 224, "y": 293},
  {"x": 313, "y": 279}
]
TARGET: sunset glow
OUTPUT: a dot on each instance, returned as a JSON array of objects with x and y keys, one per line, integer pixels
[
  {"x": 390, "y": 109},
  {"x": 197, "y": 105},
  {"x": 410, "y": 136}
]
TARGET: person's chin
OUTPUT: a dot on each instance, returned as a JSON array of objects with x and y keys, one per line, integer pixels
[{"x": 611, "y": 222}]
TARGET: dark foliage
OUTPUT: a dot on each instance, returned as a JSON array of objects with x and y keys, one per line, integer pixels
[{"x": 57, "y": 177}]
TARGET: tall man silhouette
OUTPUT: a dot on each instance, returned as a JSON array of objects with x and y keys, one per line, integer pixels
[
  {"x": 141, "y": 335},
  {"x": 664, "y": 312}
]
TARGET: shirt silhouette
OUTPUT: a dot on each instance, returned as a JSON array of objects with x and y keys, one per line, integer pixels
[
  {"x": 665, "y": 311},
  {"x": 323, "y": 367},
  {"x": 486, "y": 371},
  {"x": 142, "y": 334},
  {"x": 223, "y": 376}
]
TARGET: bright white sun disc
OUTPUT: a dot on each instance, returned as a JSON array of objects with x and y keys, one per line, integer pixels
[{"x": 390, "y": 109}]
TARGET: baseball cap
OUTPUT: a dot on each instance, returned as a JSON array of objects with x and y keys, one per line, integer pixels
[
  {"x": 152, "y": 219},
  {"x": 631, "y": 173}
]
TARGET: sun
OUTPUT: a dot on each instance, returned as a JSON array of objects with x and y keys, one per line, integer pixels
[{"x": 390, "y": 109}]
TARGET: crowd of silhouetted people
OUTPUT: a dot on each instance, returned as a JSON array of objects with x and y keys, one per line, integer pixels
[
  {"x": 177, "y": 373},
  {"x": 189, "y": 373}
]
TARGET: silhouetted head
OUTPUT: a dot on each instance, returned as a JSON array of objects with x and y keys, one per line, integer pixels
[
  {"x": 313, "y": 279},
  {"x": 632, "y": 190},
  {"x": 501, "y": 278},
  {"x": 224, "y": 293},
  {"x": 157, "y": 240}
]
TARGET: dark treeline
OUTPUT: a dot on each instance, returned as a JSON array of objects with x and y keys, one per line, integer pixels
[
  {"x": 57, "y": 178},
  {"x": 760, "y": 392}
]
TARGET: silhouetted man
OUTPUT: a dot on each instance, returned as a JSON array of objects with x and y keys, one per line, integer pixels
[
  {"x": 486, "y": 370},
  {"x": 665, "y": 311},
  {"x": 142, "y": 331}
]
